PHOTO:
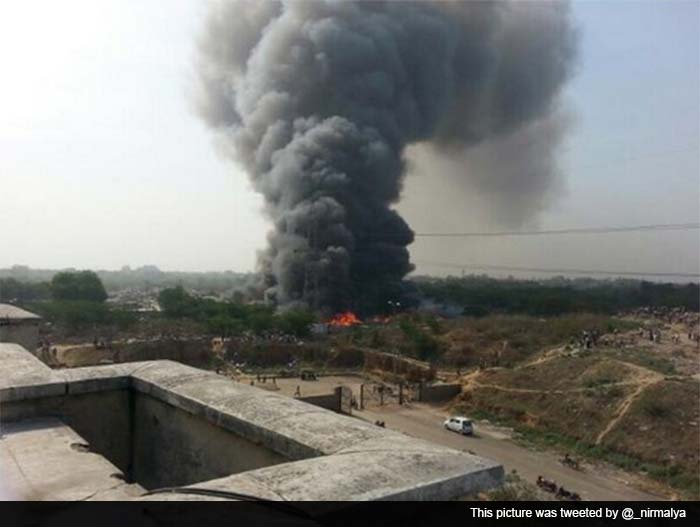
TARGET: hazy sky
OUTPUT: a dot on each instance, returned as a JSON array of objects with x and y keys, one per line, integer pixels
[{"x": 104, "y": 163}]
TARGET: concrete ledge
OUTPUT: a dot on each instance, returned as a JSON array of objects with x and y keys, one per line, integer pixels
[
  {"x": 290, "y": 427},
  {"x": 378, "y": 475},
  {"x": 97, "y": 378},
  {"x": 23, "y": 376}
]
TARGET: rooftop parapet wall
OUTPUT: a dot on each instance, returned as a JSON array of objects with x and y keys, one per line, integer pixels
[
  {"x": 19, "y": 326},
  {"x": 335, "y": 457}
]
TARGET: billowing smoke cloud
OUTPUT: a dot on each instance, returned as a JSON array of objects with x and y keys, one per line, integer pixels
[
  {"x": 505, "y": 181},
  {"x": 319, "y": 100}
]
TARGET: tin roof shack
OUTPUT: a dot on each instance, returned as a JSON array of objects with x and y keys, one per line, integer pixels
[{"x": 19, "y": 326}]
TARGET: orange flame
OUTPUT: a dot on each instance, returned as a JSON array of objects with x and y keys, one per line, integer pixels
[{"x": 345, "y": 319}]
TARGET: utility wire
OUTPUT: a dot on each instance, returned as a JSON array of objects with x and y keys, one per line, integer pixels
[
  {"x": 557, "y": 271},
  {"x": 584, "y": 230}
]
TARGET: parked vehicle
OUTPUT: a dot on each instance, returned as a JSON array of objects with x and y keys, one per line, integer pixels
[{"x": 461, "y": 425}]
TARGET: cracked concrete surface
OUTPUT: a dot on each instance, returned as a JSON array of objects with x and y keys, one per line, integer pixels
[{"x": 38, "y": 462}]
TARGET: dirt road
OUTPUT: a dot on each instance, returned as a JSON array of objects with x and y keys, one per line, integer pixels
[{"x": 425, "y": 422}]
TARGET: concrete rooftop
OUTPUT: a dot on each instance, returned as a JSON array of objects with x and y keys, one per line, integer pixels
[
  {"x": 11, "y": 312},
  {"x": 329, "y": 456}
]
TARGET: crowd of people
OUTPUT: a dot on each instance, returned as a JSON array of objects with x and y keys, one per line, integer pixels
[
  {"x": 670, "y": 315},
  {"x": 660, "y": 323}
]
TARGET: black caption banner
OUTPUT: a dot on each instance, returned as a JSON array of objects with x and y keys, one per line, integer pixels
[{"x": 307, "y": 514}]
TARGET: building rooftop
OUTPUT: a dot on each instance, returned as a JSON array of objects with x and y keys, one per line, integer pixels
[
  {"x": 16, "y": 313},
  {"x": 164, "y": 424}
]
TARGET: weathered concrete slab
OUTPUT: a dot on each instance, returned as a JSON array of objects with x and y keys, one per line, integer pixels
[{"x": 45, "y": 460}]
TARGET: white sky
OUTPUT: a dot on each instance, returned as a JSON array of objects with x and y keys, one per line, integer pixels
[{"x": 103, "y": 163}]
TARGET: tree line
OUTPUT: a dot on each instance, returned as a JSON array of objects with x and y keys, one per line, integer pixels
[
  {"x": 233, "y": 318},
  {"x": 74, "y": 300},
  {"x": 479, "y": 296}
]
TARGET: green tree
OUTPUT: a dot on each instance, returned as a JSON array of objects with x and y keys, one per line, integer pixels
[
  {"x": 176, "y": 302},
  {"x": 296, "y": 322},
  {"x": 83, "y": 285},
  {"x": 74, "y": 314}
]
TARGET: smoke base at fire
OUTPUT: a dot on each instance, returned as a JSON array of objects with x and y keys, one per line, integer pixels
[{"x": 319, "y": 100}]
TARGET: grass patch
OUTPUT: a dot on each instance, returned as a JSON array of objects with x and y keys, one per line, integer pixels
[
  {"x": 647, "y": 360},
  {"x": 599, "y": 381}
]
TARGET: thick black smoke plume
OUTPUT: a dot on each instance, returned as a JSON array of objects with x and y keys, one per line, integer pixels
[{"x": 318, "y": 100}]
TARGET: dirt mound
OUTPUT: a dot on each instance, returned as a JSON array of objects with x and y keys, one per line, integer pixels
[
  {"x": 511, "y": 340},
  {"x": 582, "y": 413}
]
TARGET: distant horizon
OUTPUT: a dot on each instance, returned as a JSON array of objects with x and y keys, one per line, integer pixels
[{"x": 503, "y": 275}]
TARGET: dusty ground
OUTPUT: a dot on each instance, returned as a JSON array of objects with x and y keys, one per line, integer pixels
[{"x": 322, "y": 386}]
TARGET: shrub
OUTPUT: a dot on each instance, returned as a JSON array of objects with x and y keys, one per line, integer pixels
[
  {"x": 655, "y": 409},
  {"x": 425, "y": 346}
]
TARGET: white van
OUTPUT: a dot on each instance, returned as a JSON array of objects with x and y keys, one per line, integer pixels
[{"x": 461, "y": 425}]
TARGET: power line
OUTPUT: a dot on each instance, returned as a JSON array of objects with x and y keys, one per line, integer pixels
[
  {"x": 558, "y": 271},
  {"x": 584, "y": 230}
]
